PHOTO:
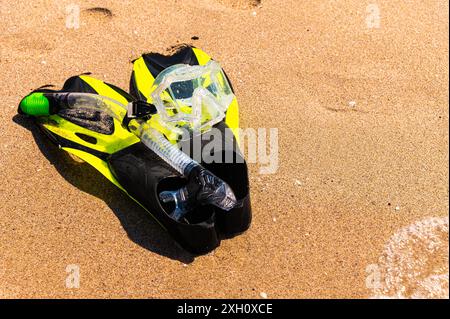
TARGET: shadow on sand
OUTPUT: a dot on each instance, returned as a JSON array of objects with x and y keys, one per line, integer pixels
[{"x": 140, "y": 227}]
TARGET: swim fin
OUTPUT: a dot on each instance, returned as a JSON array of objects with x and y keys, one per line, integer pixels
[{"x": 145, "y": 69}]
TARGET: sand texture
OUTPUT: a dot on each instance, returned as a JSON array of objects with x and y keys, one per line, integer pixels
[{"x": 358, "y": 207}]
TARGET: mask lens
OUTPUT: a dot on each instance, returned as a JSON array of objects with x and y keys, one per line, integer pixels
[
  {"x": 182, "y": 90},
  {"x": 197, "y": 95}
]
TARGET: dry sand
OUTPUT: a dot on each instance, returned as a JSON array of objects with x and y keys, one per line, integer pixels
[{"x": 365, "y": 172}]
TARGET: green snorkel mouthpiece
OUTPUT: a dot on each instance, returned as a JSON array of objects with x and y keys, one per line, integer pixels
[{"x": 35, "y": 104}]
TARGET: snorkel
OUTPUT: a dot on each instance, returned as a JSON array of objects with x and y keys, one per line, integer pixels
[
  {"x": 202, "y": 187},
  {"x": 200, "y": 108}
]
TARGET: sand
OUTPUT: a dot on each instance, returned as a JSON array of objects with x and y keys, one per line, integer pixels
[{"x": 361, "y": 107}]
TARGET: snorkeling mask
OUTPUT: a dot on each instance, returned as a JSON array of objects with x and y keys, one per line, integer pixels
[{"x": 196, "y": 96}]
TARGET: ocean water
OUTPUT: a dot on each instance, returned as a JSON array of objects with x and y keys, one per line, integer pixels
[{"x": 415, "y": 263}]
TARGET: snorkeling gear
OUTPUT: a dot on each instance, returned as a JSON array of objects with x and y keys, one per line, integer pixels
[{"x": 132, "y": 144}]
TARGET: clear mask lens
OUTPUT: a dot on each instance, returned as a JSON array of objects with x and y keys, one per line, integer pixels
[{"x": 194, "y": 95}]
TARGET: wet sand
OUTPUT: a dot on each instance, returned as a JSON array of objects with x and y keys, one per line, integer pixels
[{"x": 361, "y": 107}]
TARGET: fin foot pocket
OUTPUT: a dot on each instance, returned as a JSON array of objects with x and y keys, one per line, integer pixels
[{"x": 145, "y": 175}]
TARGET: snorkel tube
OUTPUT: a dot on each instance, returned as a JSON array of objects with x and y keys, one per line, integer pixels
[{"x": 203, "y": 186}]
